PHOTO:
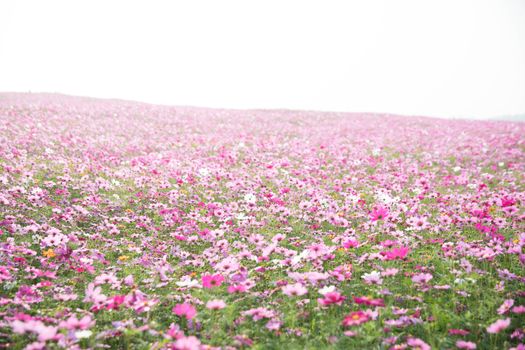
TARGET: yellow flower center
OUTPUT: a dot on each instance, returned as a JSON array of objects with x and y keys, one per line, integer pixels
[{"x": 50, "y": 253}]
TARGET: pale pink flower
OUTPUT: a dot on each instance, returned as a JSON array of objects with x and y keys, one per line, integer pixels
[
  {"x": 498, "y": 326},
  {"x": 273, "y": 324},
  {"x": 188, "y": 343},
  {"x": 462, "y": 344},
  {"x": 505, "y": 307},
  {"x": 373, "y": 277},
  {"x": 391, "y": 271},
  {"x": 421, "y": 278},
  {"x": 296, "y": 289},
  {"x": 74, "y": 323},
  {"x": 520, "y": 309},
  {"x": 45, "y": 332},
  {"x": 216, "y": 304},
  {"x": 418, "y": 344}
]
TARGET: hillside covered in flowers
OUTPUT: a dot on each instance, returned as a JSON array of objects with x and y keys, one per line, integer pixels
[{"x": 133, "y": 226}]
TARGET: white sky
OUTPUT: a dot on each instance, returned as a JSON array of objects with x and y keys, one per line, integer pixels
[{"x": 448, "y": 58}]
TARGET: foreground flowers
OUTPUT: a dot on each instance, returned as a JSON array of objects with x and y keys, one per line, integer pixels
[{"x": 139, "y": 226}]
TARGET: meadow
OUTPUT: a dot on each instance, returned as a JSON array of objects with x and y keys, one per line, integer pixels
[{"x": 126, "y": 225}]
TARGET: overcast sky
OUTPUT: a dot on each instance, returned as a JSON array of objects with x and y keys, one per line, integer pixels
[{"x": 447, "y": 58}]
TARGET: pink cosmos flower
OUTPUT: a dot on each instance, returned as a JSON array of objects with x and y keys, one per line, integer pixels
[
  {"x": 73, "y": 323},
  {"x": 144, "y": 305},
  {"x": 5, "y": 275},
  {"x": 351, "y": 243},
  {"x": 216, "y": 304},
  {"x": 188, "y": 343},
  {"x": 331, "y": 298},
  {"x": 44, "y": 332},
  {"x": 396, "y": 253},
  {"x": 37, "y": 345},
  {"x": 355, "y": 318},
  {"x": 421, "y": 278},
  {"x": 369, "y": 301},
  {"x": 388, "y": 243},
  {"x": 342, "y": 272},
  {"x": 461, "y": 344},
  {"x": 210, "y": 281},
  {"x": 174, "y": 331},
  {"x": 274, "y": 324},
  {"x": 520, "y": 309},
  {"x": 505, "y": 307},
  {"x": 418, "y": 223},
  {"x": 259, "y": 313},
  {"x": 379, "y": 213},
  {"x": 115, "y": 301},
  {"x": 186, "y": 310},
  {"x": 498, "y": 326},
  {"x": 94, "y": 294},
  {"x": 296, "y": 289},
  {"x": 454, "y": 331},
  {"x": 236, "y": 288},
  {"x": 373, "y": 277},
  {"x": 129, "y": 281},
  {"x": 391, "y": 271},
  {"x": 418, "y": 344}
]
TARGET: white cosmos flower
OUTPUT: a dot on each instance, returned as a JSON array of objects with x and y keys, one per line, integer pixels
[
  {"x": 297, "y": 259},
  {"x": 204, "y": 172},
  {"x": 83, "y": 334},
  {"x": 250, "y": 198},
  {"x": 327, "y": 289},
  {"x": 186, "y": 281},
  {"x": 241, "y": 216}
]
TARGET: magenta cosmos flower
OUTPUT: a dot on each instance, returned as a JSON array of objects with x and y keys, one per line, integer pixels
[
  {"x": 355, "y": 318},
  {"x": 351, "y": 243},
  {"x": 331, "y": 298},
  {"x": 210, "y": 281},
  {"x": 379, "y": 213},
  {"x": 369, "y": 301},
  {"x": 396, "y": 253}
]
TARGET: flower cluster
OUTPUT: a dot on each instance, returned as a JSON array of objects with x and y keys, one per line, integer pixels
[{"x": 127, "y": 225}]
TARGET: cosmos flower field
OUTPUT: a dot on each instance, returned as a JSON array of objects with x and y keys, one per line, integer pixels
[{"x": 132, "y": 226}]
